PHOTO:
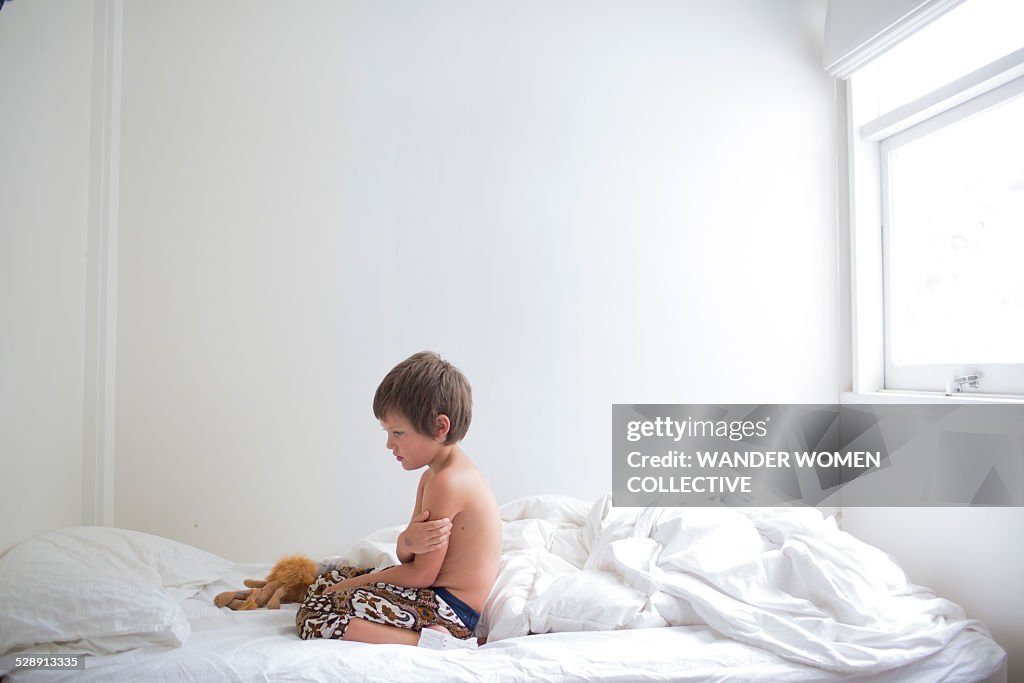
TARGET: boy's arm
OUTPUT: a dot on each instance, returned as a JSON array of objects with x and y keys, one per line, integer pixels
[
  {"x": 440, "y": 495},
  {"x": 425, "y": 532},
  {"x": 404, "y": 554}
]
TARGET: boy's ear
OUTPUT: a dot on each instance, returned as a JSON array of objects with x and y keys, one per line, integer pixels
[{"x": 442, "y": 426}]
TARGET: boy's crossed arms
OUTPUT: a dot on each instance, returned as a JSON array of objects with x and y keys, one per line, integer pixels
[{"x": 423, "y": 545}]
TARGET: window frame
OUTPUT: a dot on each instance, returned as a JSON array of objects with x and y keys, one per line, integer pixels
[{"x": 869, "y": 137}]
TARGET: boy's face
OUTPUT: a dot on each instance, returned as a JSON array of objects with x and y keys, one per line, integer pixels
[{"x": 412, "y": 449}]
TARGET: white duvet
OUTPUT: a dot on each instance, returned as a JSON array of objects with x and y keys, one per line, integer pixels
[{"x": 783, "y": 579}]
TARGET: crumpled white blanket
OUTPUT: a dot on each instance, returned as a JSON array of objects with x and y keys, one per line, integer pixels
[{"x": 786, "y": 580}]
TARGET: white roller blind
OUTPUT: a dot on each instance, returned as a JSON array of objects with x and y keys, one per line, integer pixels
[{"x": 857, "y": 31}]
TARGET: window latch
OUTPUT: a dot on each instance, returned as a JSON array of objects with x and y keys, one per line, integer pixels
[{"x": 956, "y": 386}]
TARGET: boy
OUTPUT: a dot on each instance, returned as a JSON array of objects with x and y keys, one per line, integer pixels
[{"x": 450, "y": 550}]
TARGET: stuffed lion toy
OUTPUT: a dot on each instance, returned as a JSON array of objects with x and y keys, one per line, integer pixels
[{"x": 287, "y": 582}]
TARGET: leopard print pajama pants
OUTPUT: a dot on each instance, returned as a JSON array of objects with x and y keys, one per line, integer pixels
[{"x": 327, "y": 616}]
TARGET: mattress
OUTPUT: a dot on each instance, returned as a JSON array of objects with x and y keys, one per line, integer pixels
[{"x": 262, "y": 645}]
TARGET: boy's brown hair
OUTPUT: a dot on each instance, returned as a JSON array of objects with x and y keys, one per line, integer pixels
[{"x": 422, "y": 387}]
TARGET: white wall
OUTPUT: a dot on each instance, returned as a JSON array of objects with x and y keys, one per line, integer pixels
[
  {"x": 45, "y": 72},
  {"x": 578, "y": 203}
]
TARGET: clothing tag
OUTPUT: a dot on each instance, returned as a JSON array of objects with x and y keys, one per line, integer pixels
[{"x": 435, "y": 640}]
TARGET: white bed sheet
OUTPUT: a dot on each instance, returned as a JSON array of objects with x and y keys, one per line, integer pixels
[{"x": 262, "y": 645}]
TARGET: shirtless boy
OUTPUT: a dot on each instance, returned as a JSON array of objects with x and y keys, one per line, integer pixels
[{"x": 450, "y": 550}]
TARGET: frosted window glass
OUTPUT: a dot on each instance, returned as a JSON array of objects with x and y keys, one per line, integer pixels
[{"x": 956, "y": 242}]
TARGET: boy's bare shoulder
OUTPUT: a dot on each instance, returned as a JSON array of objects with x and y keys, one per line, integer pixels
[
  {"x": 460, "y": 479},
  {"x": 445, "y": 494},
  {"x": 452, "y": 477}
]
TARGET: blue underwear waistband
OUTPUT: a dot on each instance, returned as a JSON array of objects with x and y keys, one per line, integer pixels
[{"x": 466, "y": 614}]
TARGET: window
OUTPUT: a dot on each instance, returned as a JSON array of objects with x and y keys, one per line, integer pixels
[{"x": 937, "y": 190}]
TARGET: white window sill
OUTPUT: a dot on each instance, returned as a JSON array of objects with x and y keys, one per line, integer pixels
[{"x": 900, "y": 396}]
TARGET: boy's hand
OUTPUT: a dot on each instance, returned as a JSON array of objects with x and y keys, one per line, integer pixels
[
  {"x": 338, "y": 587},
  {"x": 422, "y": 536}
]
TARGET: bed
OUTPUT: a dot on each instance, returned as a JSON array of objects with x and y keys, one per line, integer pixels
[{"x": 586, "y": 592}]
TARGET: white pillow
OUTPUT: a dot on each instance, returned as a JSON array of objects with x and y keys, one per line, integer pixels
[
  {"x": 98, "y": 590},
  {"x": 591, "y": 601},
  {"x": 177, "y": 564},
  {"x": 503, "y": 615},
  {"x": 522, "y": 576}
]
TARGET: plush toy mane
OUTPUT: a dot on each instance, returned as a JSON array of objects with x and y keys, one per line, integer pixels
[
  {"x": 287, "y": 582},
  {"x": 294, "y": 573}
]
